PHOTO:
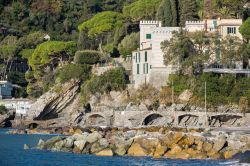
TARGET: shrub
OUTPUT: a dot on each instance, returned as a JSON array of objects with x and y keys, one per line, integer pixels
[
  {"x": 3, "y": 110},
  {"x": 220, "y": 90},
  {"x": 129, "y": 43},
  {"x": 87, "y": 57},
  {"x": 114, "y": 79},
  {"x": 73, "y": 71}
]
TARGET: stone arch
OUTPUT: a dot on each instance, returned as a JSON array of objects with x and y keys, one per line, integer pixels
[
  {"x": 224, "y": 119},
  {"x": 188, "y": 120},
  {"x": 156, "y": 119},
  {"x": 96, "y": 119},
  {"x": 33, "y": 125}
]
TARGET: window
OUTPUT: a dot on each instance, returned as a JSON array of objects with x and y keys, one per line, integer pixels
[
  {"x": 215, "y": 23},
  {"x": 148, "y": 36},
  {"x": 231, "y": 30},
  {"x": 139, "y": 58},
  {"x": 145, "y": 68},
  {"x": 146, "y": 56},
  {"x": 138, "y": 68}
]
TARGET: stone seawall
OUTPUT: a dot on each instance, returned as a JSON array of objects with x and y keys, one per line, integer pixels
[
  {"x": 165, "y": 118},
  {"x": 158, "y": 143}
]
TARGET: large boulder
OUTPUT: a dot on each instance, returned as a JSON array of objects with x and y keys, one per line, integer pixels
[
  {"x": 78, "y": 137},
  {"x": 69, "y": 142},
  {"x": 41, "y": 144},
  {"x": 80, "y": 144},
  {"x": 229, "y": 154},
  {"x": 93, "y": 137},
  {"x": 137, "y": 150},
  {"x": 207, "y": 146},
  {"x": 159, "y": 150},
  {"x": 99, "y": 145},
  {"x": 172, "y": 138},
  {"x": 105, "y": 152},
  {"x": 121, "y": 145},
  {"x": 219, "y": 143},
  {"x": 49, "y": 144}
]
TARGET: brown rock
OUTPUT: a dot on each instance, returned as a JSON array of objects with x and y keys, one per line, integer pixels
[
  {"x": 76, "y": 150},
  {"x": 172, "y": 138},
  {"x": 137, "y": 150},
  {"x": 187, "y": 140},
  {"x": 105, "y": 152},
  {"x": 207, "y": 146},
  {"x": 212, "y": 152},
  {"x": 175, "y": 150},
  {"x": 215, "y": 156},
  {"x": 159, "y": 151},
  {"x": 181, "y": 155},
  {"x": 148, "y": 144},
  {"x": 219, "y": 143},
  {"x": 229, "y": 154},
  {"x": 78, "y": 131}
]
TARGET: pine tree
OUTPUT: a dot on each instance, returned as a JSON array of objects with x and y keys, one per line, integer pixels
[
  {"x": 167, "y": 13},
  {"x": 188, "y": 11}
]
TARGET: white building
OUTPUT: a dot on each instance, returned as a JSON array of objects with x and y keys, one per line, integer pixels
[
  {"x": 223, "y": 27},
  {"x": 21, "y": 106},
  {"x": 147, "y": 61}
]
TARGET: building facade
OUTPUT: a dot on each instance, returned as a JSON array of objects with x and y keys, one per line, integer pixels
[
  {"x": 223, "y": 27},
  {"x": 20, "y": 106},
  {"x": 5, "y": 90},
  {"x": 148, "y": 61}
]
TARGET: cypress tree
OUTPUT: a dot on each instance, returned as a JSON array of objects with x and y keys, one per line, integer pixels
[
  {"x": 167, "y": 13},
  {"x": 188, "y": 11}
]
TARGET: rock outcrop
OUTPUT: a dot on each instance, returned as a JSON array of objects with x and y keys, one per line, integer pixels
[
  {"x": 60, "y": 102},
  {"x": 5, "y": 120}
]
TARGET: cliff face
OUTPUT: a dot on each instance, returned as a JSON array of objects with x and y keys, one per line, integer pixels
[
  {"x": 57, "y": 105},
  {"x": 5, "y": 120}
]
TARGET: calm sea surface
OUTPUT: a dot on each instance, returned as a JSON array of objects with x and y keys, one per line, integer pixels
[{"x": 12, "y": 154}]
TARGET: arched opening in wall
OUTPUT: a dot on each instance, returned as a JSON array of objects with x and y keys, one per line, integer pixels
[
  {"x": 96, "y": 120},
  {"x": 188, "y": 120},
  {"x": 225, "y": 120},
  {"x": 157, "y": 120},
  {"x": 33, "y": 125}
]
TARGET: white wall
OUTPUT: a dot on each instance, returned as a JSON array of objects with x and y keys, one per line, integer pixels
[
  {"x": 144, "y": 67},
  {"x": 159, "y": 35},
  {"x": 146, "y": 27}
]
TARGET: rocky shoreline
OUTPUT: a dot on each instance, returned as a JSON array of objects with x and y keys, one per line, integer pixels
[{"x": 153, "y": 142}]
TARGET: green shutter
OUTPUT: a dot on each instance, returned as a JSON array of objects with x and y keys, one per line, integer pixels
[
  {"x": 144, "y": 68},
  {"x": 138, "y": 69},
  {"x": 148, "y": 36},
  {"x": 146, "y": 56}
]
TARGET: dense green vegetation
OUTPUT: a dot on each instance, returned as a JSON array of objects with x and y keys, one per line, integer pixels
[
  {"x": 186, "y": 51},
  {"x": 225, "y": 89},
  {"x": 87, "y": 57},
  {"x": 114, "y": 79},
  {"x": 73, "y": 71},
  {"x": 87, "y": 32},
  {"x": 3, "y": 110}
]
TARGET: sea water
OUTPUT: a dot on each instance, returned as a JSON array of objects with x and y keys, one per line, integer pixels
[{"x": 13, "y": 154}]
